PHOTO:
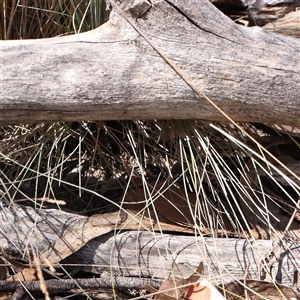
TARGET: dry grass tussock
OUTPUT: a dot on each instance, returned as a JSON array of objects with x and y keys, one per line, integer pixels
[
  {"x": 185, "y": 176},
  {"x": 33, "y": 19},
  {"x": 207, "y": 179}
]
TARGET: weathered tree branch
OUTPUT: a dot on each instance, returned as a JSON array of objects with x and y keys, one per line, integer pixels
[
  {"x": 143, "y": 254},
  {"x": 106, "y": 280},
  {"x": 113, "y": 73}
]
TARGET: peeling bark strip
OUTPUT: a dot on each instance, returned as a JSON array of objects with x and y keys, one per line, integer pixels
[
  {"x": 113, "y": 73},
  {"x": 136, "y": 254}
]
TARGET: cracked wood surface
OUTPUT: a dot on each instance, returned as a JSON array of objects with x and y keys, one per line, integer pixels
[
  {"x": 136, "y": 254},
  {"x": 113, "y": 73}
]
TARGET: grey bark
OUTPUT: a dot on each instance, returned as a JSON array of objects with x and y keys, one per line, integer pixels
[
  {"x": 143, "y": 254},
  {"x": 58, "y": 285},
  {"x": 113, "y": 73}
]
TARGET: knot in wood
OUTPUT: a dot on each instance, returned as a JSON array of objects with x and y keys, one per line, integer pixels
[{"x": 136, "y": 8}]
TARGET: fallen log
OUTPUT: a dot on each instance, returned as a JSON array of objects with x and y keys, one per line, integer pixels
[
  {"x": 142, "y": 254},
  {"x": 114, "y": 73}
]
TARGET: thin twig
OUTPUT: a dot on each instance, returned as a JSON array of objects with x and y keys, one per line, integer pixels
[
  {"x": 291, "y": 219},
  {"x": 245, "y": 281},
  {"x": 58, "y": 285}
]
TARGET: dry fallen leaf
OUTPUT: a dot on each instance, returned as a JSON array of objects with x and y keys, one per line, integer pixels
[
  {"x": 261, "y": 290},
  {"x": 28, "y": 274},
  {"x": 79, "y": 234},
  {"x": 203, "y": 290},
  {"x": 171, "y": 289},
  {"x": 175, "y": 288},
  {"x": 196, "y": 291},
  {"x": 76, "y": 236},
  {"x": 171, "y": 202}
]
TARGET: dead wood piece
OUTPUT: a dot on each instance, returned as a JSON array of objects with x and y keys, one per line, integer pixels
[
  {"x": 293, "y": 165},
  {"x": 143, "y": 254},
  {"x": 263, "y": 15},
  {"x": 58, "y": 285},
  {"x": 112, "y": 72},
  {"x": 289, "y": 24},
  {"x": 19, "y": 293},
  {"x": 169, "y": 255}
]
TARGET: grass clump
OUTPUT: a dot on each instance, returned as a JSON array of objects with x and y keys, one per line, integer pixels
[
  {"x": 208, "y": 177},
  {"x": 33, "y": 19}
]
